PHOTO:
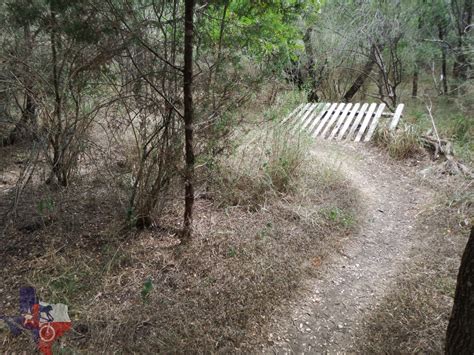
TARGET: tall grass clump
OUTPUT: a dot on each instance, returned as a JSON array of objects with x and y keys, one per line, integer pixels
[
  {"x": 267, "y": 162},
  {"x": 284, "y": 160},
  {"x": 401, "y": 144}
]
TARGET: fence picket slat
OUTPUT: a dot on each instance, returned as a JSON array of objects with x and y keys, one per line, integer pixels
[
  {"x": 293, "y": 113},
  {"x": 296, "y": 119},
  {"x": 396, "y": 117},
  {"x": 298, "y": 116},
  {"x": 340, "y": 121},
  {"x": 366, "y": 121},
  {"x": 347, "y": 122},
  {"x": 333, "y": 119},
  {"x": 359, "y": 117},
  {"x": 321, "y": 113},
  {"x": 374, "y": 123},
  {"x": 300, "y": 122},
  {"x": 325, "y": 119},
  {"x": 310, "y": 118}
]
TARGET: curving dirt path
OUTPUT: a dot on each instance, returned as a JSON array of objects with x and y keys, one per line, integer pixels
[{"x": 353, "y": 281}]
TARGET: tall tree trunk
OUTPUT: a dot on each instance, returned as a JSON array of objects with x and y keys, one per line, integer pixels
[
  {"x": 460, "y": 334},
  {"x": 362, "y": 77},
  {"x": 308, "y": 45},
  {"x": 462, "y": 63},
  {"x": 444, "y": 77},
  {"x": 56, "y": 139},
  {"x": 414, "y": 90},
  {"x": 188, "y": 119},
  {"x": 416, "y": 70},
  {"x": 30, "y": 106}
]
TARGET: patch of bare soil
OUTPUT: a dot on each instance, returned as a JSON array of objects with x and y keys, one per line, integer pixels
[{"x": 338, "y": 304}]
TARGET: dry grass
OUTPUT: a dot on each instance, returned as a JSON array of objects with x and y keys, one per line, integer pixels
[
  {"x": 413, "y": 317},
  {"x": 141, "y": 292},
  {"x": 401, "y": 144},
  {"x": 269, "y": 162}
]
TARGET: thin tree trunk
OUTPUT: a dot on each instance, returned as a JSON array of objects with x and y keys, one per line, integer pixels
[
  {"x": 416, "y": 70},
  {"x": 308, "y": 45},
  {"x": 57, "y": 168},
  {"x": 188, "y": 119},
  {"x": 460, "y": 333},
  {"x": 219, "y": 53},
  {"x": 414, "y": 90},
  {"x": 362, "y": 77},
  {"x": 30, "y": 106},
  {"x": 444, "y": 78},
  {"x": 462, "y": 64}
]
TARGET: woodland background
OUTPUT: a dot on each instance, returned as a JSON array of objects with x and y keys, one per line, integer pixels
[{"x": 95, "y": 164}]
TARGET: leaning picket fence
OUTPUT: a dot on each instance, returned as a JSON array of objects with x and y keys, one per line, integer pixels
[{"x": 342, "y": 121}]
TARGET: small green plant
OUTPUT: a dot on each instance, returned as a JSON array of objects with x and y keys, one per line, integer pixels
[
  {"x": 64, "y": 285},
  {"x": 117, "y": 257},
  {"x": 45, "y": 206},
  {"x": 417, "y": 116},
  {"x": 338, "y": 216},
  {"x": 63, "y": 350},
  {"x": 131, "y": 217},
  {"x": 463, "y": 128},
  {"x": 231, "y": 252},
  {"x": 210, "y": 280},
  {"x": 268, "y": 163},
  {"x": 146, "y": 289},
  {"x": 265, "y": 231}
]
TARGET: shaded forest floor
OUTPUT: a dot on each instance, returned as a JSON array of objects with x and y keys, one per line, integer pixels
[{"x": 139, "y": 291}]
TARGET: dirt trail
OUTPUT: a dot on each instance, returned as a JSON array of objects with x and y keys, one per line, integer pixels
[{"x": 354, "y": 281}]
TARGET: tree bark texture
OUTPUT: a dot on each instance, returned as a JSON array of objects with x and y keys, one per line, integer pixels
[
  {"x": 462, "y": 64},
  {"x": 188, "y": 119},
  {"x": 460, "y": 334},
  {"x": 311, "y": 66},
  {"x": 414, "y": 90},
  {"x": 362, "y": 77}
]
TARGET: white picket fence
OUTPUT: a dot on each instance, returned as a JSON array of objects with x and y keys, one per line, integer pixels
[{"x": 341, "y": 121}]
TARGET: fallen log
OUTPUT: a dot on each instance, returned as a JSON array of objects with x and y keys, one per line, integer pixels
[
  {"x": 437, "y": 146},
  {"x": 443, "y": 148}
]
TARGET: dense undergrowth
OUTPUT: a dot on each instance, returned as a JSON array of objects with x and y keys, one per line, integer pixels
[{"x": 453, "y": 119}]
